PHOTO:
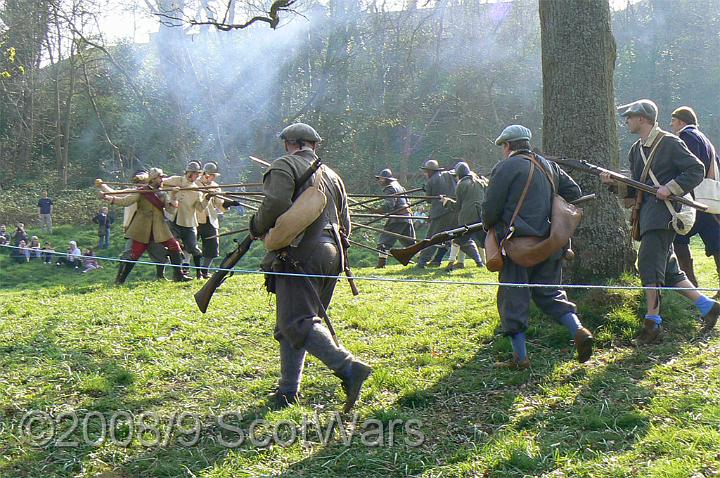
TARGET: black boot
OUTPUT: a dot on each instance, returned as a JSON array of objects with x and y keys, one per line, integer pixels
[
  {"x": 381, "y": 263},
  {"x": 197, "y": 261},
  {"x": 123, "y": 271},
  {"x": 178, "y": 274},
  {"x": 160, "y": 272}
]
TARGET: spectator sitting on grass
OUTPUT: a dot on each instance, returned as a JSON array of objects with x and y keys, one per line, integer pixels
[
  {"x": 47, "y": 253},
  {"x": 89, "y": 261},
  {"x": 4, "y": 236},
  {"x": 20, "y": 253},
  {"x": 72, "y": 259},
  {"x": 19, "y": 235},
  {"x": 34, "y": 247}
]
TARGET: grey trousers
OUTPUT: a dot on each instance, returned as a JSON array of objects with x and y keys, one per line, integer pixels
[
  {"x": 298, "y": 326},
  {"x": 188, "y": 236},
  {"x": 46, "y": 222},
  {"x": 438, "y": 224},
  {"x": 386, "y": 241},
  {"x": 514, "y": 302},
  {"x": 657, "y": 262}
]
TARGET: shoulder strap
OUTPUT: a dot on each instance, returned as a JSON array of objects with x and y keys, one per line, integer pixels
[
  {"x": 649, "y": 159},
  {"x": 523, "y": 195},
  {"x": 534, "y": 159}
]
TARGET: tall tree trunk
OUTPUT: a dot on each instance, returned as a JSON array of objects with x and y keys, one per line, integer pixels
[{"x": 578, "y": 61}]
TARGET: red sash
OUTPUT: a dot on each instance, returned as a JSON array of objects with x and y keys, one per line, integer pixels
[{"x": 152, "y": 198}]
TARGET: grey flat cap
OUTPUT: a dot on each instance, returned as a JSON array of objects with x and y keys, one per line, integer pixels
[
  {"x": 514, "y": 132},
  {"x": 431, "y": 165},
  {"x": 645, "y": 108},
  {"x": 300, "y": 132},
  {"x": 386, "y": 174}
]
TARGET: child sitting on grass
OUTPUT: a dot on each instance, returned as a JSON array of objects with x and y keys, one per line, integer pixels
[{"x": 89, "y": 261}]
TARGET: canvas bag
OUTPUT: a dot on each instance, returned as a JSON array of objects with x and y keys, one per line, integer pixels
[
  {"x": 494, "y": 247},
  {"x": 303, "y": 212},
  {"x": 683, "y": 221},
  {"x": 708, "y": 191},
  {"x": 564, "y": 219}
]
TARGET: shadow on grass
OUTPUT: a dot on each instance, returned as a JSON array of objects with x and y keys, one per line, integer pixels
[
  {"x": 478, "y": 421},
  {"x": 475, "y": 419}
]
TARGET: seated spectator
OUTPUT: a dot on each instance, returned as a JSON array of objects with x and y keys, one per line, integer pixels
[
  {"x": 89, "y": 261},
  {"x": 19, "y": 235},
  {"x": 47, "y": 253},
  {"x": 73, "y": 256},
  {"x": 35, "y": 252},
  {"x": 4, "y": 236},
  {"x": 20, "y": 253}
]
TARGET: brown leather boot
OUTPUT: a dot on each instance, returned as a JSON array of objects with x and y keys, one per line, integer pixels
[
  {"x": 381, "y": 263},
  {"x": 710, "y": 319},
  {"x": 650, "y": 334},
  {"x": 584, "y": 344},
  {"x": 514, "y": 363}
]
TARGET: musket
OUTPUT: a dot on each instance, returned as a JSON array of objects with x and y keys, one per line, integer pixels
[
  {"x": 413, "y": 204},
  {"x": 224, "y": 198},
  {"x": 376, "y": 229},
  {"x": 244, "y": 229},
  {"x": 345, "y": 243},
  {"x": 404, "y": 255},
  {"x": 364, "y": 246},
  {"x": 203, "y": 296},
  {"x": 245, "y": 198},
  {"x": 585, "y": 167},
  {"x": 259, "y": 161},
  {"x": 362, "y": 214}
]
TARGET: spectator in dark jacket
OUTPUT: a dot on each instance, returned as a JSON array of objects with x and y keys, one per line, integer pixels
[
  {"x": 104, "y": 221},
  {"x": 684, "y": 123},
  {"x": 19, "y": 235}
]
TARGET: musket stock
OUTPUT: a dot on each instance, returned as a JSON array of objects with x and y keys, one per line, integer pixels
[
  {"x": 203, "y": 296},
  {"x": 405, "y": 254}
]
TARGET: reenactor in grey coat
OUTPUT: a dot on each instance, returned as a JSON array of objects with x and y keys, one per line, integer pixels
[
  {"x": 398, "y": 205},
  {"x": 439, "y": 183},
  {"x": 507, "y": 183},
  {"x": 678, "y": 172},
  {"x": 301, "y": 300},
  {"x": 469, "y": 195}
]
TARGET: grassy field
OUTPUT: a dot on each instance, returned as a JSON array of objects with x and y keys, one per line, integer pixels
[{"x": 164, "y": 384}]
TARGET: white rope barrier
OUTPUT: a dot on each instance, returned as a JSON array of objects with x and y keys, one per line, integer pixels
[{"x": 390, "y": 279}]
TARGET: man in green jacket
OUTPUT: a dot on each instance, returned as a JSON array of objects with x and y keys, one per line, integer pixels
[
  {"x": 469, "y": 196},
  {"x": 439, "y": 183},
  {"x": 315, "y": 251},
  {"x": 678, "y": 172}
]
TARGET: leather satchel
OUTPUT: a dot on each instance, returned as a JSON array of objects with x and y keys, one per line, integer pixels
[
  {"x": 293, "y": 222},
  {"x": 493, "y": 246},
  {"x": 564, "y": 219}
]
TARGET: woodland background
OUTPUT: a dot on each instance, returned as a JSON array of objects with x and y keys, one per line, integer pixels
[{"x": 385, "y": 87}]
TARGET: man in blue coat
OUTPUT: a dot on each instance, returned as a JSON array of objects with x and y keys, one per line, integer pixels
[{"x": 684, "y": 123}]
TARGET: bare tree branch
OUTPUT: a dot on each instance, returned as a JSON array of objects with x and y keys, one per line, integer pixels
[{"x": 272, "y": 18}]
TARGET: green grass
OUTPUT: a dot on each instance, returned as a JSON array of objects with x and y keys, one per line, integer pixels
[{"x": 73, "y": 342}]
